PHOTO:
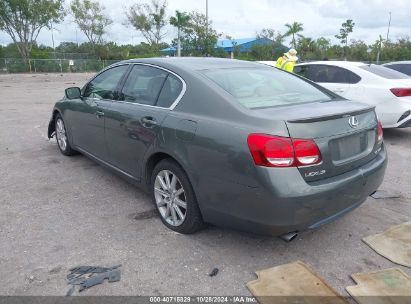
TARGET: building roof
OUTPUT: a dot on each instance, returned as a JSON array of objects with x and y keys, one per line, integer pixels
[
  {"x": 169, "y": 49},
  {"x": 225, "y": 43},
  {"x": 234, "y": 42}
]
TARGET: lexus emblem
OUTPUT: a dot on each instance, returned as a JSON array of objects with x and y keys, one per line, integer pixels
[{"x": 353, "y": 121}]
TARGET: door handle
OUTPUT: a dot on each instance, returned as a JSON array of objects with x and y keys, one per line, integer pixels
[
  {"x": 339, "y": 90},
  {"x": 148, "y": 122},
  {"x": 99, "y": 113}
]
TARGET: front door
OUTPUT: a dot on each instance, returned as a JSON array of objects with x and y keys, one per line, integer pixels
[{"x": 88, "y": 118}]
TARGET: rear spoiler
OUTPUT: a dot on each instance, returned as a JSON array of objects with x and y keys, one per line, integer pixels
[{"x": 330, "y": 117}]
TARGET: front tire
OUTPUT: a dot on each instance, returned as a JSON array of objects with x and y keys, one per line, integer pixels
[
  {"x": 175, "y": 199},
  {"x": 61, "y": 137}
]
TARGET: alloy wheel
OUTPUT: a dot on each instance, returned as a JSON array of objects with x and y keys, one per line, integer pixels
[
  {"x": 61, "y": 134},
  {"x": 170, "y": 198}
]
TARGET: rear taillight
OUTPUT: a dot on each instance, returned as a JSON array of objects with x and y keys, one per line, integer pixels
[
  {"x": 275, "y": 151},
  {"x": 379, "y": 132},
  {"x": 401, "y": 92},
  {"x": 306, "y": 152}
]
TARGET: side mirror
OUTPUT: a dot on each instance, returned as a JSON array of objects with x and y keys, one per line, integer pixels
[{"x": 73, "y": 93}]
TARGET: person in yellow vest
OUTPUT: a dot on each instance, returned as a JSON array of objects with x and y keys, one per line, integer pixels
[{"x": 287, "y": 61}]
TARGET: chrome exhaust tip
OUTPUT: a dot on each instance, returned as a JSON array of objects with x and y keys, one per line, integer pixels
[{"x": 288, "y": 237}]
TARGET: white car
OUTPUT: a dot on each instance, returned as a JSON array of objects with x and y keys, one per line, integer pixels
[{"x": 388, "y": 90}]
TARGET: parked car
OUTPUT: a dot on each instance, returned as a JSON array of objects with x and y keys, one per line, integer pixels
[
  {"x": 400, "y": 66},
  {"x": 227, "y": 142},
  {"x": 388, "y": 90}
]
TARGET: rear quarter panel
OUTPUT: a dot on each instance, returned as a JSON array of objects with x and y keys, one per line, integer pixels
[{"x": 216, "y": 157}]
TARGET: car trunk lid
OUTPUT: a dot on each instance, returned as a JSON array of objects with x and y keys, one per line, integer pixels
[{"x": 344, "y": 131}]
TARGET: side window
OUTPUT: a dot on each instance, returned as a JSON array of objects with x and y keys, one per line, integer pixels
[
  {"x": 143, "y": 85},
  {"x": 352, "y": 77},
  {"x": 104, "y": 85},
  {"x": 302, "y": 70},
  {"x": 170, "y": 92},
  {"x": 318, "y": 73},
  {"x": 332, "y": 74}
]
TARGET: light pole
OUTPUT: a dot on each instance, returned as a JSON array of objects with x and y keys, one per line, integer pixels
[
  {"x": 389, "y": 25},
  {"x": 52, "y": 40},
  {"x": 207, "y": 27},
  {"x": 207, "y": 14}
]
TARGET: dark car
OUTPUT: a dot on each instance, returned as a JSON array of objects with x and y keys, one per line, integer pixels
[
  {"x": 400, "y": 66},
  {"x": 226, "y": 142}
]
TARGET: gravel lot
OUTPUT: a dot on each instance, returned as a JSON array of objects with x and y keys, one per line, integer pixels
[{"x": 58, "y": 212}]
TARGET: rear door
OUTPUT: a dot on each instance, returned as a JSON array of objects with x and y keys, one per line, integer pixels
[
  {"x": 133, "y": 123},
  {"x": 88, "y": 117},
  {"x": 336, "y": 79}
]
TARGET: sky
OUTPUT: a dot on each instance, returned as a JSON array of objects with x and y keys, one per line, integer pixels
[{"x": 243, "y": 18}]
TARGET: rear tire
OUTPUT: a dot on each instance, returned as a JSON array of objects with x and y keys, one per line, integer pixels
[
  {"x": 61, "y": 137},
  {"x": 175, "y": 199}
]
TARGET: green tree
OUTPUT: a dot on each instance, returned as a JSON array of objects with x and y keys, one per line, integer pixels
[
  {"x": 180, "y": 21},
  {"x": 23, "y": 20},
  {"x": 267, "y": 52},
  {"x": 293, "y": 30},
  {"x": 91, "y": 20},
  {"x": 345, "y": 30},
  {"x": 271, "y": 34},
  {"x": 323, "y": 45},
  {"x": 149, "y": 20},
  {"x": 358, "y": 51},
  {"x": 306, "y": 47},
  {"x": 198, "y": 37}
]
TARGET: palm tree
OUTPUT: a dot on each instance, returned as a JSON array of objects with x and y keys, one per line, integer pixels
[
  {"x": 180, "y": 20},
  {"x": 293, "y": 30},
  {"x": 379, "y": 44}
]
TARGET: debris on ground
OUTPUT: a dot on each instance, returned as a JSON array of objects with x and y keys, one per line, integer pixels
[
  {"x": 382, "y": 194},
  {"x": 394, "y": 244},
  {"x": 384, "y": 286},
  {"x": 293, "y": 280},
  {"x": 213, "y": 272},
  {"x": 88, "y": 276}
]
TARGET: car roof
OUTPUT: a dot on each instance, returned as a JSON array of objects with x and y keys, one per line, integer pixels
[
  {"x": 398, "y": 62},
  {"x": 336, "y": 63},
  {"x": 195, "y": 63}
]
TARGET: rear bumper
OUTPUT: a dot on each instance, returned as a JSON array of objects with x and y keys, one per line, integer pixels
[
  {"x": 398, "y": 116},
  {"x": 403, "y": 123},
  {"x": 284, "y": 202}
]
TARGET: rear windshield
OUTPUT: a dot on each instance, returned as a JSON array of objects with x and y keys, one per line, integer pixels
[
  {"x": 260, "y": 88},
  {"x": 384, "y": 72}
]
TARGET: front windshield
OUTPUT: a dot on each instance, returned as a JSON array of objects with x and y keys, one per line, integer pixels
[{"x": 259, "y": 88}]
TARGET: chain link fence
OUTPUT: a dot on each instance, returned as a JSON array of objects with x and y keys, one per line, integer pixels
[{"x": 17, "y": 65}]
